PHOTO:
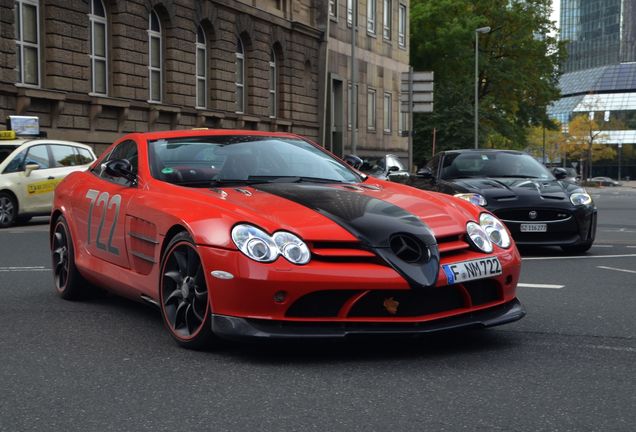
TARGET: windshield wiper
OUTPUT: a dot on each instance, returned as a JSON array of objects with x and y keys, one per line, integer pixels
[
  {"x": 514, "y": 176},
  {"x": 292, "y": 179}
]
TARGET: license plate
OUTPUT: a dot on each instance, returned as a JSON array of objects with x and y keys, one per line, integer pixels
[
  {"x": 473, "y": 269},
  {"x": 533, "y": 228}
]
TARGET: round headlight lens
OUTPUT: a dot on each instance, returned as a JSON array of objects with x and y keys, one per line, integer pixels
[
  {"x": 479, "y": 237},
  {"x": 292, "y": 247},
  {"x": 474, "y": 198},
  {"x": 254, "y": 242},
  {"x": 497, "y": 232},
  {"x": 581, "y": 198}
]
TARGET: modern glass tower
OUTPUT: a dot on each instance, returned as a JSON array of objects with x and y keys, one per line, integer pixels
[{"x": 600, "y": 72}]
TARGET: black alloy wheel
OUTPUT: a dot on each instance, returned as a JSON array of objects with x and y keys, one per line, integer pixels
[
  {"x": 8, "y": 210},
  {"x": 68, "y": 281},
  {"x": 184, "y": 294}
]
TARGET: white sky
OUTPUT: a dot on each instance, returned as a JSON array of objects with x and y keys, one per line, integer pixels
[{"x": 556, "y": 11}]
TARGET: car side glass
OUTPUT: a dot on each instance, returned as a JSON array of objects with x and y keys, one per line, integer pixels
[{"x": 16, "y": 164}]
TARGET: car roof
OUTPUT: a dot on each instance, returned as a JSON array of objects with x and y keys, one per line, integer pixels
[
  {"x": 33, "y": 141},
  {"x": 207, "y": 132},
  {"x": 484, "y": 151}
]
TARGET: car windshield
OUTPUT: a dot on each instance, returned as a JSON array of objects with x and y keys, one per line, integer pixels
[
  {"x": 493, "y": 164},
  {"x": 219, "y": 159},
  {"x": 5, "y": 151}
]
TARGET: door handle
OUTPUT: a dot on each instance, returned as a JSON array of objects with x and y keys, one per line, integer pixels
[{"x": 50, "y": 178}]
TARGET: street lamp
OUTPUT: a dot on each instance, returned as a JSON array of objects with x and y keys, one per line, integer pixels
[
  {"x": 477, "y": 31},
  {"x": 620, "y": 150}
]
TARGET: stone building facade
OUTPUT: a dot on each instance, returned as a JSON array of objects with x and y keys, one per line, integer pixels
[{"x": 93, "y": 70}]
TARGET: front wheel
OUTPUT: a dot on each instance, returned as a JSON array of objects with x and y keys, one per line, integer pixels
[
  {"x": 8, "y": 210},
  {"x": 577, "y": 249},
  {"x": 183, "y": 292}
]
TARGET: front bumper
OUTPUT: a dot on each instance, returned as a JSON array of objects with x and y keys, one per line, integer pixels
[{"x": 229, "y": 327}]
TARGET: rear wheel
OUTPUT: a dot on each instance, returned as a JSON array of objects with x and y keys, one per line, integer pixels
[
  {"x": 184, "y": 294},
  {"x": 8, "y": 209},
  {"x": 577, "y": 249},
  {"x": 69, "y": 283}
]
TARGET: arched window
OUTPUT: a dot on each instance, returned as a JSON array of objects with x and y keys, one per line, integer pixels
[
  {"x": 155, "y": 61},
  {"x": 273, "y": 85},
  {"x": 99, "y": 48},
  {"x": 240, "y": 76},
  {"x": 27, "y": 40},
  {"x": 202, "y": 69}
]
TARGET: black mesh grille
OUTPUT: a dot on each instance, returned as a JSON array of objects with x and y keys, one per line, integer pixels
[
  {"x": 408, "y": 303},
  {"x": 541, "y": 215},
  {"x": 483, "y": 291},
  {"x": 320, "y": 304}
]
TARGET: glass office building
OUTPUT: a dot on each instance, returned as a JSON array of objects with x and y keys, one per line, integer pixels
[{"x": 600, "y": 72}]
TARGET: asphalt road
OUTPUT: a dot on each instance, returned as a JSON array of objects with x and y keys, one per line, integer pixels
[{"x": 107, "y": 364}]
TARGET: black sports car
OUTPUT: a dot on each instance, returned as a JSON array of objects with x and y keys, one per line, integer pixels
[{"x": 538, "y": 208}]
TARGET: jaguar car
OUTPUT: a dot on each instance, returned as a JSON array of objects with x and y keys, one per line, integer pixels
[
  {"x": 261, "y": 235},
  {"x": 538, "y": 207}
]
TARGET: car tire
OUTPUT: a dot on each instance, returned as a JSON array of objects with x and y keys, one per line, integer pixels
[
  {"x": 8, "y": 209},
  {"x": 69, "y": 283},
  {"x": 183, "y": 294},
  {"x": 577, "y": 249}
]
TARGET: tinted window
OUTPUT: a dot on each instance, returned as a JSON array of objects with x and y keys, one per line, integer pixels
[
  {"x": 38, "y": 155},
  {"x": 17, "y": 163},
  {"x": 492, "y": 164},
  {"x": 125, "y": 150},
  {"x": 84, "y": 156},
  {"x": 63, "y": 155},
  {"x": 199, "y": 160},
  {"x": 5, "y": 151}
]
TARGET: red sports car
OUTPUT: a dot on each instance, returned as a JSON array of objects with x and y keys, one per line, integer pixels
[{"x": 243, "y": 234}]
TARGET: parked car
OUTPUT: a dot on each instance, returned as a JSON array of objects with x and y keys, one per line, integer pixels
[
  {"x": 244, "y": 234},
  {"x": 537, "y": 207},
  {"x": 30, "y": 169},
  {"x": 605, "y": 181}
]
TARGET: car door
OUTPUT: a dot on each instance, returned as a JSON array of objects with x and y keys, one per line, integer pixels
[
  {"x": 101, "y": 208},
  {"x": 34, "y": 187}
]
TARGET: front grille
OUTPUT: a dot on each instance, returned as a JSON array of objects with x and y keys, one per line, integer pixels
[
  {"x": 395, "y": 303},
  {"x": 541, "y": 215}
]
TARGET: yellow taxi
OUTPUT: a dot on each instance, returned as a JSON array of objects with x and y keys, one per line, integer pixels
[{"x": 30, "y": 169}]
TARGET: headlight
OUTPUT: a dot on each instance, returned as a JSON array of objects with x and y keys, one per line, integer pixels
[
  {"x": 291, "y": 247},
  {"x": 474, "y": 198},
  {"x": 479, "y": 237},
  {"x": 580, "y": 198},
  {"x": 260, "y": 246},
  {"x": 497, "y": 232}
]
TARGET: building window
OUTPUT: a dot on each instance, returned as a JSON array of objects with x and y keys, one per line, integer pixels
[
  {"x": 350, "y": 96},
  {"x": 155, "y": 64},
  {"x": 99, "y": 48},
  {"x": 202, "y": 69},
  {"x": 387, "y": 15},
  {"x": 402, "y": 26},
  {"x": 273, "y": 84},
  {"x": 27, "y": 36},
  {"x": 371, "y": 110},
  {"x": 240, "y": 76},
  {"x": 349, "y": 12},
  {"x": 333, "y": 8},
  {"x": 371, "y": 16},
  {"x": 387, "y": 112}
]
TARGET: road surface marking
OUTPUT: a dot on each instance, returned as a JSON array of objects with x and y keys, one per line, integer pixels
[
  {"x": 24, "y": 269},
  {"x": 616, "y": 269},
  {"x": 578, "y": 257},
  {"x": 549, "y": 286}
]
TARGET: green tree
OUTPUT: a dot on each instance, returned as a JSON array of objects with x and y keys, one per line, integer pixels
[
  {"x": 544, "y": 141},
  {"x": 585, "y": 141},
  {"x": 518, "y": 69}
]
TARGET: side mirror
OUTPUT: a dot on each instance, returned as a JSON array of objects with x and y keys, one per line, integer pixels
[
  {"x": 120, "y": 168},
  {"x": 424, "y": 173},
  {"x": 30, "y": 168},
  {"x": 559, "y": 173},
  {"x": 393, "y": 168}
]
